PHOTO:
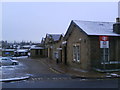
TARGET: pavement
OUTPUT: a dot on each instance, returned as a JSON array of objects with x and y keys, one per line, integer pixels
[{"x": 78, "y": 73}]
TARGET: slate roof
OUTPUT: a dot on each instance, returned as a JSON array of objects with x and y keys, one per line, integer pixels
[
  {"x": 96, "y": 28},
  {"x": 55, "y": 37}
]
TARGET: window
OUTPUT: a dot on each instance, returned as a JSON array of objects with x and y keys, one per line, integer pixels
[
  {"x": 105, "y": 54},
  {"x": 76, "y": 53}
]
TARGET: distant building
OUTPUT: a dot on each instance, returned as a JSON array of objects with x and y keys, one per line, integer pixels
[
  {"x": 81, "y": 47},
  {"x": 26, "y": 47},
  {"x": 0, "y": 51},
  {"x": 52, "y": 44},
  {"x": 37, "y": 52},
  {"x": 21, "y": 52},
  {"x": 42, "y": 42},
  {"x": 8, "y": 52}
]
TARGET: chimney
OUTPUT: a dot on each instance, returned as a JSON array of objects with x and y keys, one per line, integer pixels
[{"x": 116, "y": 26}]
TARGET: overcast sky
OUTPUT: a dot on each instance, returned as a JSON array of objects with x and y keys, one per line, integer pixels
[{"x": 32, "y": 20}]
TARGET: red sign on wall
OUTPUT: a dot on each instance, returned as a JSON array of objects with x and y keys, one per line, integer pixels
[
  {"x": 104, "y": 38},
  {"x": 104, "y": 42}
]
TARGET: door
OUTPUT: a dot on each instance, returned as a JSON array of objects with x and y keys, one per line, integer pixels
[{"x": 65, "y": 55}]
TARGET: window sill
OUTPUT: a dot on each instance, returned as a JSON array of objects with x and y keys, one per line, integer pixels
[{"x": 76, "y": 62}]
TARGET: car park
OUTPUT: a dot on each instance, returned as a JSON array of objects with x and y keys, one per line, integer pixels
[{"x": 7, "y": 61}]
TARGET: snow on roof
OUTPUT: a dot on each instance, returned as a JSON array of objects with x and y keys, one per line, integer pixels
[
  {"x": 55, "y": 37},
  {"x": 22, "y": 50},
  {"x": 96, "y": 28},
  {"x": 8, "y": 49},
  {"x": 37, "y": 48},
  {"x": 27, "y": 46},
  {"x": 33, "y": 46}
]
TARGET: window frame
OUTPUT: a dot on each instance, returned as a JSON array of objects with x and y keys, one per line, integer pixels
[{"x": 76, "y": 53}]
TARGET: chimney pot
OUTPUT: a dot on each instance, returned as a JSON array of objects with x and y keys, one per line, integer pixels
[
  {"x": 116, "y": 26},
  {"x": 118, "y": 19}
]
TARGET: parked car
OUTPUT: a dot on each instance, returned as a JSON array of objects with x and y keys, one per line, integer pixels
[
  {"x": 8, "y": 61},
  {"x": 11, "y": 58}
]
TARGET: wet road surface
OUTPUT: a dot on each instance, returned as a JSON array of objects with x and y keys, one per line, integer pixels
[
  {"x": 63, "y": 84},
  {"x": 26, "y": 67},
  {"x": 43, "y": 76}
]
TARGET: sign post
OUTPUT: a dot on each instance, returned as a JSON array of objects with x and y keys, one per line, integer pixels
[
  {"x": 104, "y": 43},
  {"x": 119, "y": 9}
]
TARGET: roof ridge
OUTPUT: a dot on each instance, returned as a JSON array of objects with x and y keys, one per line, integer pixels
[
  {"x": 54, "y": 34},
  {"x": 94, "y": 21}
]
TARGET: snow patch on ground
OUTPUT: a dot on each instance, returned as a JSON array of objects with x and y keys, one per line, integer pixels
[
  {"x": 21, "y": 57},
  {"x": 14, "y": 79},
  {"x": 114, "y": 75}
]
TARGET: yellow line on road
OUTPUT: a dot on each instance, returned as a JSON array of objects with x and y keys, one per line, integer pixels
[
  {"x": 51, "y": 68},
  {"x": 43, "y": 63},
  {"x": 54, "y": 70}
]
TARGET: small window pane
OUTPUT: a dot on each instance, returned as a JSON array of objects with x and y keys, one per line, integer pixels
[{"x": 76, "y": 53}]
